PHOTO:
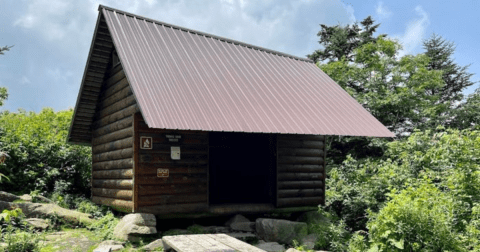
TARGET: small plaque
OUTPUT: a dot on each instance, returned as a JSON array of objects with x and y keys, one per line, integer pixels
[
  {"x": 163, "y": 173},
  {"x": 146, "y": 143},
  {"x": 175, "y": 152}
]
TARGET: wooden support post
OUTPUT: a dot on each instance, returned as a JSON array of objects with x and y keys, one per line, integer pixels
[{"x": 136, "y": 146}]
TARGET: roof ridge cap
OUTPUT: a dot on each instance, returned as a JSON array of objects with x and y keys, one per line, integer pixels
[{"x": 100, "y": 7}]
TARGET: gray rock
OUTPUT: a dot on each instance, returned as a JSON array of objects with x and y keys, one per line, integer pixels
[
  {"x": 246, "y": 237},
  {"x": 271, "y": 247},
  {"x": 313, "y": 217},
  {"x": 131, "y": 226},
  {"x": 235, "y": 219},
  {"x": 216, "y": 229},
  {"x": 8, "y": 197},
  {"x": 282, "y": 231},
  {"x": 309, "y": 241},
  {"x": 243, "y": 226},
  {"x": 26, "y": 197},
  {"x": 38, "y": 223},
  {"x": 153, "y": 245},
  {"x": 109, "y": 245}
]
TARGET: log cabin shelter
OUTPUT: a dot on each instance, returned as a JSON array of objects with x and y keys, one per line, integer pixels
[{"x": 182, "y": 121}]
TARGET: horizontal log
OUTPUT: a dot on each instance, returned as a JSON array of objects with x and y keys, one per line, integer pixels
[
  {"x": 106, "y": 102},
  {"x": 306, "y": 201},
  {"x": 116, "y": 126},
  {"x": 173, "y": 179},
  {"x": 177, "y": 208},
  {"x": 120, "y": 205},
  {"x": 113, "y": 164},
  {"x": 171, "y": 199},
  {"x": 113, "y": 155},
  {"x": 112, "y": 146},
  {"x": 171, "y": 189},
  {"x": 117, "y": 106},
  {"x": 120, "y": 87},
  {"x": 114, "y": 136},
  {"x": 129, "y": 111},
  {"x": 300, "y": 160},
  {"x": 113, "y": 183},
  {"x": 152, "y": 170},
  {"x": 301, "y": 137},
  {"x": 300, "y": 144},
  {"x": 300, "y": 184},
  {"x": 299, "y": 168},
  {"x": 113, "y": 193},
  {"x": 185, "y": 150},
  {"x": 294, "y": 176},
  {"x": 113, "y": 174},
  {"x": 290, "y": 193},
  {"x": 300, "y": 152},
  {"x": 186, "y": 160},
  {"x": 115, "y": 78}
]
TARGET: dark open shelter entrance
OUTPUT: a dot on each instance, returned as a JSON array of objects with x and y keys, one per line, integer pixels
[{"x": 242, "y": 168}]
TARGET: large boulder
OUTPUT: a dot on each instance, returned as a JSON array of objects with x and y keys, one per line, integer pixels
[
  {"x": 153, "y": 245},
  {"x": 282, "y": 231},
  {"x": 37, "y": 223},
  {"x": 134, "y": 225},
  {"x": 8, "y": 197},
  {"x": 109, "y": 245},
  {"x": 240, "y": 223},
  {"x": 271, "y": 247}
]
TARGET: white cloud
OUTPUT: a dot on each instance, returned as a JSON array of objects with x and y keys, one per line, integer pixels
[
  {"x": 415, "y": 32},
  {"x": 60, "y": 75},
  {"x": 382, "y": 11},
  {"x": 350, "y": 12}
]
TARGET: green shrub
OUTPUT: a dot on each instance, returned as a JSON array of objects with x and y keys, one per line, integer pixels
[
  {"x": 417, "y": 219},
  {"x": 105, "y": 226},
  {"x": 39, "y": 155},
  {"x": 20, "y": 241}
]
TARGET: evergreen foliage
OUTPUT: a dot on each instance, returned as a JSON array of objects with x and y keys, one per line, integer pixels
[{"x": 341, "y": 41}]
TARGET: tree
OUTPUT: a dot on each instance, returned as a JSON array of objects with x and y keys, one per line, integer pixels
[
  {"x": 5, "y": 48},
  {"x": 467, "y": 115},
  {"x": 440, "y": 52},
  {"x": 341, "y": 41},
  {"x": 3, "y": 90}
]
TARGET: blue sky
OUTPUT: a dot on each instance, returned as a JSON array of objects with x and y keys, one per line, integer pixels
[{"x": 52, "y": 38}]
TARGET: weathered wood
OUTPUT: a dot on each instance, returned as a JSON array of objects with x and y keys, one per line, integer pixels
[
  {"x": 113, "y": 174},
  {"x": 171, "y": 189},
  {"x": 113, "y": 183},
  {"x": 120, "y": 87},
  {"x": 194, "y": 160},
  {"x": 173, "y": 169},
  {"x": 136, "y": 164},
  {"x": 112, "y": 146},
  {"x": 177, "y": 208},
  {"x": 237, "y": 245},
  {"x": 299, "y": 168},
  {"x": 117, "y": 106},
  {"x": 118, "y": 204},
  {"x": 171, "y": 199},
  {"x": 300, "y": 144},
  {"x": 113, "y": 164},
  {"x": 304, "y": 201},
  {"x": 300, "y": 184},
  {"x": 187, "y": 150},
  {"x": 300, "y": 160},
  {"x": 176, "y": 179},
  {"x": 115, "y": 78},
  {"x": 300, "y": 152},
  {"x": 116, "y": 126},
  {"x": 113, "y": 155},
  {"x": 290, "y": 193},
  {"x": 114, "y": 136},
  {"x": 293, "y": 176},
  {"x": 112, "y": 193},
  {"x": 129, "y": 111}
]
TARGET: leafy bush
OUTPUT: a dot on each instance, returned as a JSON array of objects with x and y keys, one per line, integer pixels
[
  {"x": 417, "y": 219},
  {"x": 39, "y": 155},
  {"x": 20, "y": 241},
  {"x": 105, "y": 226}
]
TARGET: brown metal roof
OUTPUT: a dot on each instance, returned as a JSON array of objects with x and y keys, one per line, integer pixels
[{"x": 185, "y": 79}]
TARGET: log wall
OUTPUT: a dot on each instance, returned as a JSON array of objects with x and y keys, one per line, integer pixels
[
  {"x": 300, "y": 170},
  {"x": 112, "y": 142},
  {"x": 186, "y": 188}
]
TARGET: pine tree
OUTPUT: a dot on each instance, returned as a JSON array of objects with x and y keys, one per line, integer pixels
[
  {"x": 340, "y": 41},
  {"x": 440, "y": 51}
]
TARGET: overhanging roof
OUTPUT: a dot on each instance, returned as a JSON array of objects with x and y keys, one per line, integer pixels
[{"x": 189, "y": 80}]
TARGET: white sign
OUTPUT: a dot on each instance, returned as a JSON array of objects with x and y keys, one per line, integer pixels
[
  {"x": 175, "y": 152},
  {"x": 146, "y": 143}
]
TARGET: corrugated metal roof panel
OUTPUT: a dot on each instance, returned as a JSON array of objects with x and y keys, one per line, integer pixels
[{"x": 184, "y": 79}]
